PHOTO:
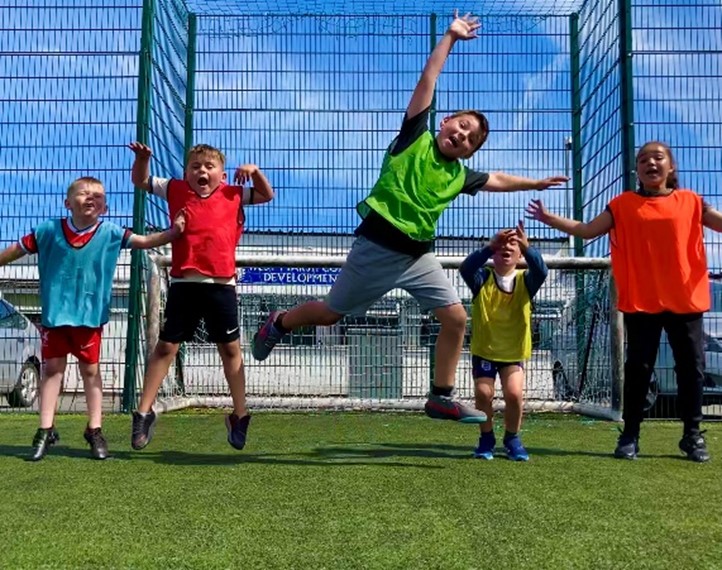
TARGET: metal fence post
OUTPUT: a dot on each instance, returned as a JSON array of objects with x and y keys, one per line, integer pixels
[
  {"x": 626, "y": 93},
  {"x": 616, "y": 347},
  {"x": 145, "y": 71}
]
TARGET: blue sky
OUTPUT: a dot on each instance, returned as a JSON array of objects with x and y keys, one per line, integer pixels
[{"x": 315, "y": 101}]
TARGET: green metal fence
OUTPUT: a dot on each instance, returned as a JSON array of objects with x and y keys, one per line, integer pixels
[{"x": 313, "y": 93}]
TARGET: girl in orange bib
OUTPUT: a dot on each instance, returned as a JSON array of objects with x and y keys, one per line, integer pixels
[{"x": 660, "y": 269}]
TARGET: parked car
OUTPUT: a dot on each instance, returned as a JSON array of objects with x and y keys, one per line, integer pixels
[
  {"x": 570, "y": 353},
  {"x": 19, "y": 356}
]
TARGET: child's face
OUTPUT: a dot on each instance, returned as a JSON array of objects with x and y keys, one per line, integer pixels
[
  {"x": 654, "y": 166},
  {"x": 459, "y": 136},
  {"x": 507, "y": 256},
  {"x": 204, "y": 173},
  {"x": 87, "y": 201}
]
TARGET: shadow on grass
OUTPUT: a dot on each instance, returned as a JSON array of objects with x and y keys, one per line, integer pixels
[
  {"x": 173, "y": 457},
  {"x": 443, "y": 451}
]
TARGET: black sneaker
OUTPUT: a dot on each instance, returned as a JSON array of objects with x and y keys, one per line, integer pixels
[
  {"x": 44, "y": 438},
  {"x": 237, "y": 430},
  {"x": 98, "y": 445},
  {"x": 694, "y": 446},
  {"x": 627, "y": 447},
  {"x": 143, "y": 428}
]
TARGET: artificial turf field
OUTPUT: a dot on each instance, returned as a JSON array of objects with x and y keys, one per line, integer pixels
[{"x": 342, "y": 490}]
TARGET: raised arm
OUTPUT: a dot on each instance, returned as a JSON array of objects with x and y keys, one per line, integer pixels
[
  {"x": 473, "y": 270},
  {"x": 712, "y": 219},
  {"x": 160, "y": 238},
  {"x": 262, "y": 191},
  {"x": 462, "y": 28},
  {"x": 537, "y": 270},
  {"x": 140, "y": 172},
  {"x": 504, "y": 182},
  {"x": 11, "y": 253},
  {"x": 596, "y": 227}
]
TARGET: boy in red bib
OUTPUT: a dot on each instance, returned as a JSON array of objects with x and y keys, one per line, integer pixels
[{"x": 203, "y": 274}]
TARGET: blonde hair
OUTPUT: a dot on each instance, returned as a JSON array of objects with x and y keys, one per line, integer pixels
[
  {"x": 201, "y": 149},
  {"x": 80, "y": 181}
]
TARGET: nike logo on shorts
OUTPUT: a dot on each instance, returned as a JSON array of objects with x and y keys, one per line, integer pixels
[
  {"x": 87, "y": 346},
  {"x": 231, "y": 331}
]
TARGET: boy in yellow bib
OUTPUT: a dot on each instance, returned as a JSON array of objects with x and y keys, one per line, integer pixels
[{"x": 501, "y": 331}]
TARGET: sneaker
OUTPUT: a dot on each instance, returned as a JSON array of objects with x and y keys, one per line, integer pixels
[
  {"x": 267, "y": 337},
  {"x": 98, "y": 445},
  {"x": 143, "y": 428},
  {"x": 237, "y": 430},
  {"x": 694, "y": 446},
  {"x": 43, "y": 440},
  {"x": 627, "y": 447},
  {"x": 446, "y": 408},
  {"x": 515, "y": 450},
  {"x": 485, "y": 449}
]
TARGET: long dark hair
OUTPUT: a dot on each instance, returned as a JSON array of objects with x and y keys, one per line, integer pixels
[{"x": 672, "y": 179}]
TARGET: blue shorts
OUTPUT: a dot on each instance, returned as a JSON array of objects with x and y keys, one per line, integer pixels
[{"x": 482, "y": 368}]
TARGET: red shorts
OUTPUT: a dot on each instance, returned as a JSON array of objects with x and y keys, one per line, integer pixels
[{"x": 82, "y": 342}]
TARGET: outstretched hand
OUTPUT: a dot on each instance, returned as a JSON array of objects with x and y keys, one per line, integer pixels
[
  {"x": 521, "y": 237},
  {"x": 551, "y": 181},
  {"x": 536, "y": 210},
  {"x": 179, "y": 222},
  {"x": 500, "y": 238},
  {"x": 464, "y": 27},
  {"x": 244, "y": 173},
  {"x": 140, "y": 150}
]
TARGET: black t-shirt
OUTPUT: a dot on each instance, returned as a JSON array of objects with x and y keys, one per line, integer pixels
[{"x": 376, "y": 228}]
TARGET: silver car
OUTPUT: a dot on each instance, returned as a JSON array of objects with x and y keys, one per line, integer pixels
[{"x": 19, "y": 357}]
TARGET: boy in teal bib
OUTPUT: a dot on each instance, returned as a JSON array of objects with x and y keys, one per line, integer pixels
[
  {"x": 77, "y": 257},
  {"x": 420, "y": 176}
]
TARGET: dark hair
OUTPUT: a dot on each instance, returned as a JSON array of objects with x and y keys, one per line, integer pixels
[
  {"x": 483, "y": 125},
  {"x": 672, "y": 179}
]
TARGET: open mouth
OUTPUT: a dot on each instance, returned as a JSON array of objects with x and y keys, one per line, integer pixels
[
  {"x": 202, "y": 181},
  {"x": 454, "y": 141},
  {"x": 652, "y": 172}
]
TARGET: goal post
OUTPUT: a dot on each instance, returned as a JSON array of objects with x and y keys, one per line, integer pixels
[{"x": 384, "y": 360}]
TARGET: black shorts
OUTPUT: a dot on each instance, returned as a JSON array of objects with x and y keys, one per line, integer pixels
[{"x": 188, "y": 303}]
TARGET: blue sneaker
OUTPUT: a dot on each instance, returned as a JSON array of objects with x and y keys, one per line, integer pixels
[
  {"x": 267, "y": 337},
  {"x": 237, "y": 430},
  {"x": 485, "y": 449},
  {"x": 515, "y": 450},
  {"x": 627, "y": 447},
  {"x": 446, "y": 408}
]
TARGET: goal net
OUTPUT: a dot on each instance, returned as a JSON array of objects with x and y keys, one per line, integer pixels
[{"x": 385, "y": 359}]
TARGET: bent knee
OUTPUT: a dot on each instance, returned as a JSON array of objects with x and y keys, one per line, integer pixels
[
  {"x": 329, "y": 317},
  {"x": 166, "y": 349},
  {"x": 452, "y": 317},
  {"x": 228, "y": 350}
]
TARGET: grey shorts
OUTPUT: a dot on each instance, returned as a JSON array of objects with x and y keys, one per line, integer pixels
[{"x": 372, "y": 270}]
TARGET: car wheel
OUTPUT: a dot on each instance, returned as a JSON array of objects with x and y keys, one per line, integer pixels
[{"x": 26, "y": 389}]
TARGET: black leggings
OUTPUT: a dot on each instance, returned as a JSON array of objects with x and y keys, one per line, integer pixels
[{"x": 686, "y": 338}]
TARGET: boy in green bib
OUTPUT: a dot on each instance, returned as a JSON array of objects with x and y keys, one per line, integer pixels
[{"x": 420, "y": 176}]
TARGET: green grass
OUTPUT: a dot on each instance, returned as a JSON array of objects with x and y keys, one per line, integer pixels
[{"x": 357, "y": 491}]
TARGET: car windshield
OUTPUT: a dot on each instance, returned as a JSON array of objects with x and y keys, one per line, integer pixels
[{"x": 6, "y": 311}]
